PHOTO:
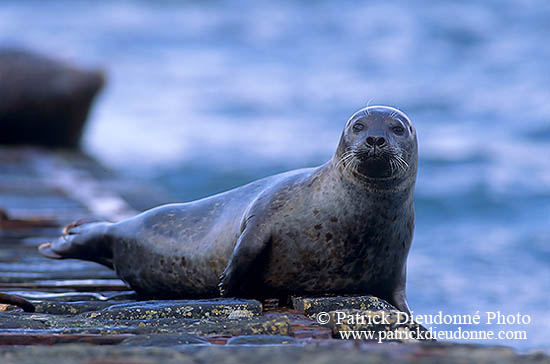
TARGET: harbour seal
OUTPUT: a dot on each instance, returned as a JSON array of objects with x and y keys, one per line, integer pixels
[{"x": 344, "y": 227}]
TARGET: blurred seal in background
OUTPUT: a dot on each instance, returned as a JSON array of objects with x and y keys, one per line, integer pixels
[{"x": 44, "y": 101}]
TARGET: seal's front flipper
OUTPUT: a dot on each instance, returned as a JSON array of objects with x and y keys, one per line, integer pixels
[
  {"x": 80, "y": 240},
  {"x": 252, "y": 242},
  {"x": 399, "y": 297},
  {"x": 400, "y": 301}
]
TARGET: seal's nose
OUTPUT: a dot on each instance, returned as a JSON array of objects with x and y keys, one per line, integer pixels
[{"x": 377, "y": 141}]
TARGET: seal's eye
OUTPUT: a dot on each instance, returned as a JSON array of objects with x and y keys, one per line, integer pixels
[
  {"x": 398, "y": 129},
  {"x": 358, "y": 127}
]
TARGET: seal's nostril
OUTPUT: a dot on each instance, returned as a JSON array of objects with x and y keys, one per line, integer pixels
[{"x": 376, "y": 141}]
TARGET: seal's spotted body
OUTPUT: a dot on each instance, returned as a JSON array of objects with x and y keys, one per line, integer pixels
[{"x": 344, "y": 227}]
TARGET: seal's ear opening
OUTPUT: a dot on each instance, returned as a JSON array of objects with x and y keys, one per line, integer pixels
[{"x": 46, "y": 250}]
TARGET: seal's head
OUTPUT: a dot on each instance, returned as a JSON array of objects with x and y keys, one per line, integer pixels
[{"x": 378, "y": 143}]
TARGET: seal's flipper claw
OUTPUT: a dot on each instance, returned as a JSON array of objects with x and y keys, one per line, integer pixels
[
  {"x": 221, "y": 290},
  {"x": 222, "y": 286},
  {"x": 73, "y": 227},
  {"x": 61, "y": 248},
  {"x": 46, "y": 251}
]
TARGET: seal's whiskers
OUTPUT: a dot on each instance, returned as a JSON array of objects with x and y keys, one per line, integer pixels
[{"x": 346, "y": 157}]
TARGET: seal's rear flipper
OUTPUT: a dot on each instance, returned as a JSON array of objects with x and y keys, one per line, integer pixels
[
  {"x": 46, "y": 250},
  {"x": 82, "y": 240}
]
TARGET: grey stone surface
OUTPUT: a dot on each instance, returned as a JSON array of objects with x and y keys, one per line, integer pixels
[
  {"x": 69, "y": 297},
  {"x": 164, "y": 340},
  {"x": 331, "y": 353},
  {"x": 262, "y": 340},
  {"x": 384, "y": 325}
]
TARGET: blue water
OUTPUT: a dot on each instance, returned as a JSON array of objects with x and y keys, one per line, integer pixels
[{"x": 207, "y": 95}]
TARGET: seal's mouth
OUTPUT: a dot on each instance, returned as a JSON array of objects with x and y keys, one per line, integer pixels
[{"x": 377, "y": 163}]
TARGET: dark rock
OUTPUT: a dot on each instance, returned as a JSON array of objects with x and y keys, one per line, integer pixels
[
  {"x": 11, "y": 320},
  {"x": 69, "y": 308},
  {"x": 310, "y": 306},
  {"x": 370, "y": 317},
  {"x": 15, "y": 321},
  {"x": 44, "y": 101},
  {"x": 212, "y": 308},
  {"x": 202, "y": 327},
  {"x": 262, "y": 340}
]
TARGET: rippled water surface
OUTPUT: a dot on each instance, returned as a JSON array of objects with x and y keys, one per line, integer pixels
[{"x": 206, "y": 95}]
